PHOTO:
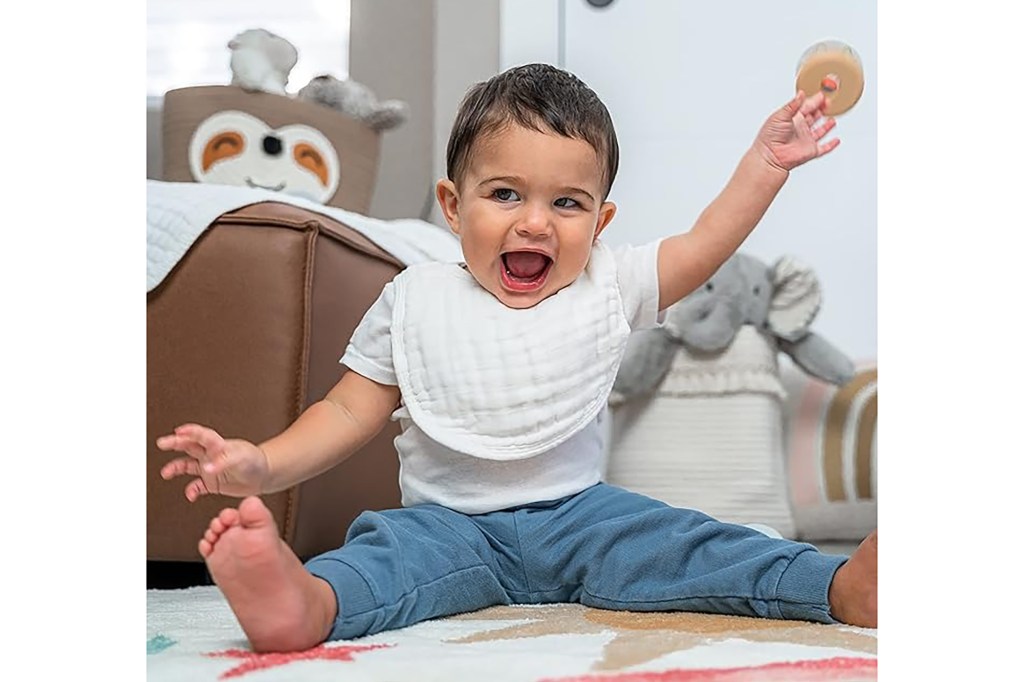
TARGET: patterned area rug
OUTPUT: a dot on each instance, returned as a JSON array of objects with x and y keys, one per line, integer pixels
[{"x": 192, "y": 635}]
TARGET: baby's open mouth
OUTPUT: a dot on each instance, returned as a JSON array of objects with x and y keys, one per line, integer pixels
[{"x": 524, "y": 270}]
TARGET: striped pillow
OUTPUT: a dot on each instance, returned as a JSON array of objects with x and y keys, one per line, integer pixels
[{"x": 831, "y": 447}]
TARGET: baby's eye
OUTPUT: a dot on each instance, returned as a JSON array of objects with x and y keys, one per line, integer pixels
[
  {"x": 505, "y": 194},
  {"x": 566, "y": 202}
]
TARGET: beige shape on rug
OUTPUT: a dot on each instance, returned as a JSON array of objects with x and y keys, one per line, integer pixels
[{"x": 643, "y": 637}]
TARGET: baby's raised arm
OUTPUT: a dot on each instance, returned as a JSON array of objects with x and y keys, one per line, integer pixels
[
  {"x": 787, "y": 139},
  {"x": 323, "y": 436}
]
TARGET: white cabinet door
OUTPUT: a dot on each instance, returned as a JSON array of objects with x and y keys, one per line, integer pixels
[{"x": 688, "y": 85}]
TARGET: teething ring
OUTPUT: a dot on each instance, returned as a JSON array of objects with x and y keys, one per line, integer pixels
[{"x": 832, "y": 67}]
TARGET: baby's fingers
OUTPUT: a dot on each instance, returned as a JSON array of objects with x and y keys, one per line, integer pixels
[
  {"x": 195, "y": 490},
  {"x": 179, "y": 467},
  {"x": 182, "y": 444},
  {"x": 794, "y": 105},
  {"x": 206, "y": 437},
  {"x": 820, "y": 131},
  {"x": 828, "y": 146},
  {"x": 815, "y": 102},
  {"x": 171, "y": 442}
]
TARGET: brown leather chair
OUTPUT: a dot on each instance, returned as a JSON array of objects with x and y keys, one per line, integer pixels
[{"x": 243, "y": 334}]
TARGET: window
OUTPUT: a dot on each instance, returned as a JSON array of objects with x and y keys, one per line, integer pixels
[{"x": 187, "y": 40}]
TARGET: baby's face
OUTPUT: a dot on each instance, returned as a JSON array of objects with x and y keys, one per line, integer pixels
[{"x": 528, "y": 210}]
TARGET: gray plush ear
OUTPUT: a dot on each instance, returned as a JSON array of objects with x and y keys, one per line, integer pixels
[
  {"x": 795, "y": 301},
  {"x": 389, "y": 114},
  {"x": 819, "y": 358},
  {"x": 649, "y": 354}
]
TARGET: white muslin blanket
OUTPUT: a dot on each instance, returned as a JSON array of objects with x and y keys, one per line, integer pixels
[{"x": 177, "y": 213}]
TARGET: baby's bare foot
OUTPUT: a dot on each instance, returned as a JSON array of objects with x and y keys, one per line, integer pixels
[
  {"x": 853, "y": 595},
  {"x": 228, "y": 517},
  {"x": 280, "y": 605}
]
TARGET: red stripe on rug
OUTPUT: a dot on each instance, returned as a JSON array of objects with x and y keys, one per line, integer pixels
[
  {"x": 846, "y": 669},
  {"x": 255, "y": 661}
]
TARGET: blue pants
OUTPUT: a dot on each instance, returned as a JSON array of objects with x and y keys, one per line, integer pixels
[{"x": 603, "y": 547}]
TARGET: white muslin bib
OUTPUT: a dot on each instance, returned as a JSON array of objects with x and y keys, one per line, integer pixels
[{"x": 501, "y": 383}]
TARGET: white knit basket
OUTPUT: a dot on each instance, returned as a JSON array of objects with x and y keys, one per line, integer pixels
[{"x": 711, "y": 437}]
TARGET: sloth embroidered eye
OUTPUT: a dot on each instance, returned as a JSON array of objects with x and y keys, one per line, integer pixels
[
  {"x": 308, "y": 157},
  {"x": 222, "y": 146},
  {"x": 236, "y": 148}
]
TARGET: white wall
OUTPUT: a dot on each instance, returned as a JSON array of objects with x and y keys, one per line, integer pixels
[
  {"x": 466, "y": 52},
  {"x": 530, "y": 32},
  {"x": 688, "y": 85}
]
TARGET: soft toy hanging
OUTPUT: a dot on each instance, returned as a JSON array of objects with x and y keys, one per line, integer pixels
[
  {"x": 261, "y": 61},
  {"x": 355, "y": 100},
  {"x": 778, "y": 301}
]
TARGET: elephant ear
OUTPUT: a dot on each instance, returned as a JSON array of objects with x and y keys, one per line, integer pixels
[{"x": 796, "y": 299}]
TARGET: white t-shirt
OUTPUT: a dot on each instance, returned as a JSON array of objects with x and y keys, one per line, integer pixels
[{"x": 433, "y": 473}]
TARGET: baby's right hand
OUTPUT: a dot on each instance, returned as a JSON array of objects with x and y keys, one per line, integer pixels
[{"x": 225, "y": 467}]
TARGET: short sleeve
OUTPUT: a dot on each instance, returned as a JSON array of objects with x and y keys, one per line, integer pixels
[
  {"x": 369, "y": 350},
  {"x": 637, "y": 268}
]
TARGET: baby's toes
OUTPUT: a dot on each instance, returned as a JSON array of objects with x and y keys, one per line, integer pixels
[
  {"x": 228, "y": 517},
  {"x": 217, "y": 526}
]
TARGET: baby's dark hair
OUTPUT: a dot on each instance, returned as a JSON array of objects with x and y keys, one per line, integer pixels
[{"x": 539, "y": 97}]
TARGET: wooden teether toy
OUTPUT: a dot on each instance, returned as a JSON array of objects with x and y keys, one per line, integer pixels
[{"x": 831, "y": 66}]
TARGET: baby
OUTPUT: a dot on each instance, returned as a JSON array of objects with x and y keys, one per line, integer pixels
[{"x": 498, "y": 369}]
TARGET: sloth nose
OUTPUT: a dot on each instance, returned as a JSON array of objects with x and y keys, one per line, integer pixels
[{"x": 272, "y": 145}]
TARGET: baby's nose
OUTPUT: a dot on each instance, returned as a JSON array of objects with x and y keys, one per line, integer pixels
[{"x": 536, "y": 223}]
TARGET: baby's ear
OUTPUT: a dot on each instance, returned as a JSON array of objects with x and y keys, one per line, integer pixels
[
  {"x": 448, "y": 198},
  {"x": 604, "y": 216}
]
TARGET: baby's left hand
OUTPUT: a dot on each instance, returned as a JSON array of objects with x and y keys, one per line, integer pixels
[{"x": 789, "y": 137}]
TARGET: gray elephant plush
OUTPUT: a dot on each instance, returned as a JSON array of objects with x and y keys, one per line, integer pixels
[{"x": 780, "y": 301}]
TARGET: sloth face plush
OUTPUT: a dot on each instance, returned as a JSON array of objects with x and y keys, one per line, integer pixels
[{"x": 235, "y": 148}]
